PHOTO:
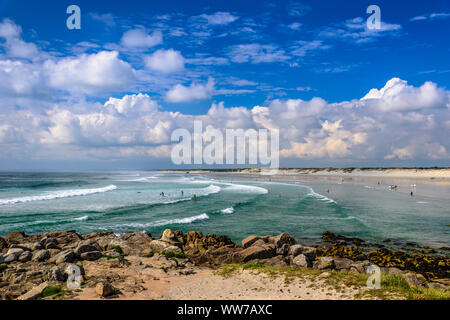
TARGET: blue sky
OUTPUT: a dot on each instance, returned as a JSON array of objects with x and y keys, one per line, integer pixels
[{"x": 105, "y": 95}]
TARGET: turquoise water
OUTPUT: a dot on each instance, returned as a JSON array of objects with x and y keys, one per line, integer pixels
[{"x": 237, "y": 207}]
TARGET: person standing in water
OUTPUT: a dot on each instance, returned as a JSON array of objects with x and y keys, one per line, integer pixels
[
  {"x": 194, "y": 198},
  {"x": 182, "y": 193}
]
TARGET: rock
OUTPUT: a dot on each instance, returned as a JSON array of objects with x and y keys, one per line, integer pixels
[
  {"x": 394, "y": 271},
  {"x": 25, "y": 256},
  {"x": 257, "y": 252},
  {"x": 55, "y": 274},
  {"x": 169, "y": 236},
  {"x": 15, "y": 251},
  {"x": 282, "y": 239},
  {"x": 343, "y": 263},
  {"x": 37, "y": 246},
  {"x": 64, "y": 256},
  {"x": 247, "y": 242},
  {"x": 283, "y": 250},
  {"x": 360, "y": 266},
  {"x": 328, "y": 236},
  {"x": 15, "y": 237},
  {"x": 91, "y": 255},
  {"x": 297, "y": 249},
  {"x": 104, "y": 289},
  {"x": 161, "y": 246},
  {"x": 276, "y": 262},
  {"x": 19, "y": 246},
  {"x": 412, "y": 279},
  {"x": 87, "y": 247},
  {"x": 41, "y": 255},
  {"x": 8, "y": 258},
  {"x": 3, "y": 244},
  {"x": 301, "y": 261},
  {"x": 51, "y": 244},
  {"x": 324, "y": 263},
  {"x": 34, "y": 293}
]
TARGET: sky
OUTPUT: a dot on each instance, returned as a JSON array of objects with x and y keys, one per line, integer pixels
[{"x": 109, "y": 95}]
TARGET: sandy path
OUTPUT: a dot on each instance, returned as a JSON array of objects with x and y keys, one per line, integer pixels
[{"x": 205, "y": 285}]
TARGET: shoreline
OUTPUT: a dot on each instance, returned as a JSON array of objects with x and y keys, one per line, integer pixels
[{"x": 178, "y": 266}]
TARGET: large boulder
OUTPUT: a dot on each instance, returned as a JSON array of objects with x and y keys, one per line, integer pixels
[
  {"x": 276, "y": 262},
  {"x": 104, "y": 289},
  {"x": 66, "y": 256},
  {"x": 301, "y": 261},
  {"x": 55, "y": 274},
  {"x": 8, "y": 258},
  {"x": 257, "y": 252},
  {"x": 15, "y": 251},
  {"x": 25, "y": 256},
  {"x": 41, "y": 255},
  {"x": 91, "y": 255},
  {"x": 343, "y": 263},
  {"x": 324, "y": 263},
  {"x": 34, "y": 293},
  {"x": 87, "y": 246},
  {"x": 360, "y": 266},
  {"x": 3, "y": 244},
  {"x": 15, "y": 237},
  {"x": 161, "y": 246},
  {"x": 250, "y": 240},
  {"x": 169, "y": 237},
  {"x": 36, "y": 246},
  {"x": 282, "y": 239},
  {"x": 296, "y": 249}
]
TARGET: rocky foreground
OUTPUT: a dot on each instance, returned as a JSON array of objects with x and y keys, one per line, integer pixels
[{"x": 38, "y": 266}]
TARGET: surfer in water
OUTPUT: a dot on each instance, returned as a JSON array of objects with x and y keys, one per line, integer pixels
[
  {"x": 182, "y": 193},
  {"x": 194, "y": 198}
]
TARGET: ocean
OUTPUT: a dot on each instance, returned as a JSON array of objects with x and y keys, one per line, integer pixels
[{"x": 225, "y": 204}]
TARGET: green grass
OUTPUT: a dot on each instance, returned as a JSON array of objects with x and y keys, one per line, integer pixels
[
  {"x": 171, "y": 254},
  {"x": 51, "y": 291},
  {"x": 392, "y": 286},
  {"x": 107, "y": 256},
  {"x": 117, "y": 249}
]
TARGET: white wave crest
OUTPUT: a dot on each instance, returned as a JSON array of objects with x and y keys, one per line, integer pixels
[
  {"x": 83, "y": 218},
  {"x": 227, "y": 210},
  {"x": 159, "y": 223},
  {"x": 319, "y": 196},
  {"x": 58, "y": 195},
  {"x": 245, "y": 188}
]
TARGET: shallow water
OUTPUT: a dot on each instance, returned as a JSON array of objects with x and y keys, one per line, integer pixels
[{"x": 230, "y": 205}]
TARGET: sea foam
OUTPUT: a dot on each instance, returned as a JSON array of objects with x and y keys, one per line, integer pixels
[{"x": 58, "y": 195}]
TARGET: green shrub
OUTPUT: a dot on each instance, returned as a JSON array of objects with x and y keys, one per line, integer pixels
[
  {"x": 171, "y": 254},
  {"x": 117, "y": 249},
  {"x": 50, "y": 291},
  {"x": 149, "y": 255},
  {"x": 3, "y": 267}
]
